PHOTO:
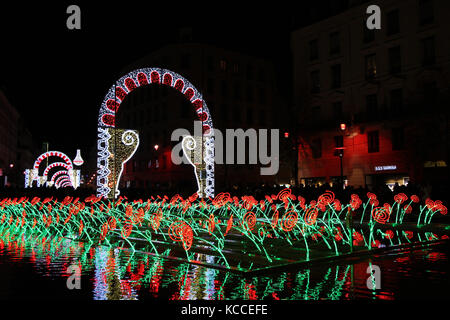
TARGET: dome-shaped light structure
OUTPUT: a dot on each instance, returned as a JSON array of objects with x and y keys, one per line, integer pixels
[{"x": 78, "y": 161}]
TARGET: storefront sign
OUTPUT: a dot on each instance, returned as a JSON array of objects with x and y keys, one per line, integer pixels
[
  {"x": 383, "y": 168},
  {"x": 432, "y": 164}
]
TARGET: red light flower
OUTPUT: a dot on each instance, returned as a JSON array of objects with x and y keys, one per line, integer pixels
[
  {"x": 355, "y": 201},
  {"x": 400, "y": 198},
  {"x": 389, "y": 234},
  {"x": 408, "y": 234},
  {"x": 337, "y": 205},
  {"x": 371, "y": 196},
  {"x": 229, "y": 225},
  {"x": 284, "y": 194},
  {"x": 289, "y": 220},
  {"x": 311, "y": 216},
  {"x": 249, "y": 220},
  {"x": 274, "y": 222},
  {"x": 407, "y": 208},
  {"x": 326, "y": 198}
]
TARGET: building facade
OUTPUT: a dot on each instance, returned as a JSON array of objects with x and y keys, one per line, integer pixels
[
  {"x": 240, "y": 92},
  {"x": 9, "y": 129},
  {"x": 388, "y": 89}
]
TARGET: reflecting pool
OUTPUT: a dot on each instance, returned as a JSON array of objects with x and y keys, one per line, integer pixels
[{"x": 39, "y": 270}]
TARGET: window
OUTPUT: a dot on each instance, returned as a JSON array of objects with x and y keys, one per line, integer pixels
[
  {"x": 237, "y": 91},
  {"x": 209, "y": 86},
  {"x": 336, "y": 76},
  {"x": 315, "y": 111},
  {"x": 166, "y": 61},
  {"x": 393, "y": 25},
  {"x": 249, "y": 94},
  {"x": 223, "y": 65},
  {"x": 237, "y": 114},
  {"x": 262, "y": 96},
  {"x": 184, "y": 109},
  {"x": 428, "y": 57},
  {"x": 430, "y": 93},
  {"x": 236, "y": 68},
  {"x": 371, "y": 66},
  {"x": 249, "y": 115},
  {"x": 261, "y": 75},
  {"x": 335, "y": 46},
  {"x": 185, "y": 62},
  {"x": 373, "y": 142},
  {"x": 396, "y": 100},
  {"x": 395, "y": 60},
  {"x": 224, "y": 112},
  {"x": 426, "y": 14},
  {"x": 316, "y": 148},
  {"x": 250, "y": 72},
  {"x": 398, "y": 137},
  {"x": 262, "y": 117},
  {"x": 369, "y": 34},
  {"x": 224, "y": 88},
  {"x": 337, "y": 110},
  {"x": 315, "y": 81},
  {"x": 210, "y": 63},
  {"x": 313, "y": 50},
  {"x": 371, "y": 105}
]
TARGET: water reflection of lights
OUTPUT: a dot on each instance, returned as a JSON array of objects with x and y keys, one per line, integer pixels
[{"x": 117, "y": 274}]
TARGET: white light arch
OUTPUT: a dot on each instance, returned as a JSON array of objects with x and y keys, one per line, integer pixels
[
  {"x": 106, "y": 122},
  {"x": 47, "y": 154},
  {"x": 32, "y": 175}
]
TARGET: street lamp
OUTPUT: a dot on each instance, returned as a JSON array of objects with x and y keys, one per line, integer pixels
[
  {"x": 156, "y": 147},
  {"x": 340, "y": 153}
]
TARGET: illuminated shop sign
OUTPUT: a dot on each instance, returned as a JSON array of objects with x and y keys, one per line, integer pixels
[
  {"x": 384, "y": 168},
  {"x": 432, "y": 164}
]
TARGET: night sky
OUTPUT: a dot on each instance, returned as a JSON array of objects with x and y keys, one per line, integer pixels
[{"x": 57, "y": 77}]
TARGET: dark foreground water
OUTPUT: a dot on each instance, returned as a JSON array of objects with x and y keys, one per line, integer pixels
[{"x": 38, "y": 270}]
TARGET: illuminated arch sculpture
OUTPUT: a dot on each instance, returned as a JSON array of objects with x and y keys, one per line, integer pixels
[
  {"x": 32, "y": 175},
  {"x": 57, "y": 174},
  {"x": 116, "y": 146},
  {"x": 62, "y": 180}
]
